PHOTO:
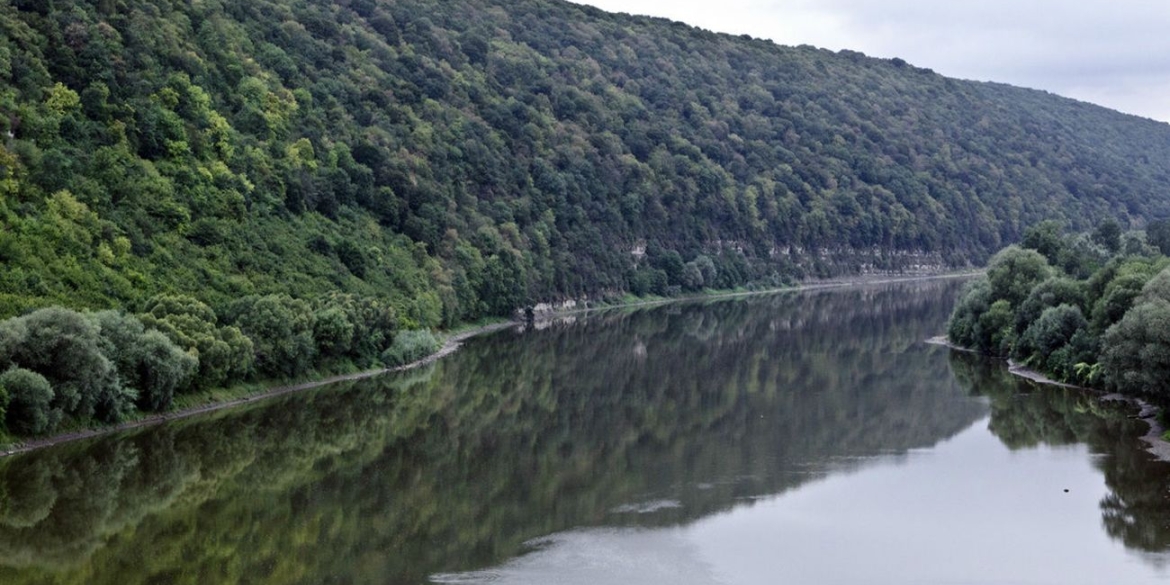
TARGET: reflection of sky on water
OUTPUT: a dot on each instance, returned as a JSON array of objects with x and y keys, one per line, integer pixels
[{"x": 966, "y": 511}]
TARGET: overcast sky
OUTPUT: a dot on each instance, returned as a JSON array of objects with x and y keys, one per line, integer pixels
[{"x": 1111, "y": 52}]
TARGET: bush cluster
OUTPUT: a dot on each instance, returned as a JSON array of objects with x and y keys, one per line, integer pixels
[
  {"x": 59, "y": 365},
  {"x": 1096, "y": 314}
]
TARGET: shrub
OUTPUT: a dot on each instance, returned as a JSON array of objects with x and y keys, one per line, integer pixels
[
  {"x": 223, "y": 354},
  {"x": 963, "y": 326},
  {"x": 30, "y": 398},
  {"x": 66, "y": 348},
  {"x": 160, "y": 368},
  {"x": 410, "y": 346},
  {"x": 281, "y": 329}
]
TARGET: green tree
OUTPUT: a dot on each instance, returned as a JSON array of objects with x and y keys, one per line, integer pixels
[
  {"x": 1052, "y": 292},
  {"x": 1047, "y": 239},
  {"x": 1108, "y": 235},
  {"x": 1014, "y": 271},
  {"x": 1041, "y": 344},
  {"x": 281, "y": 329},
  {"x": 1135, "y": 356},
  {"x": 162, "y": 368},
  {"x": 223, "y": 353},
  {"x": 66, "y": 348},
  {"x": 1158, "y": 235},
  {"x": 963, "y": 328},
  {"x": 30, "y": 397}
]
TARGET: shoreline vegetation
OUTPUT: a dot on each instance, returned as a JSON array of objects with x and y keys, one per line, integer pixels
[
  {"x": 1088, "y": 310},
  {"x": 209, "y": 402}
]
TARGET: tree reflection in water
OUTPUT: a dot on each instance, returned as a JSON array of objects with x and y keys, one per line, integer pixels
[
  {"x": 1025, "y": 414},
  {"x": 688, "y": 408}
]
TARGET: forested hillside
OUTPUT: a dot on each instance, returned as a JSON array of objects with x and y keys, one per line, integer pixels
[{"x": 462, "y": 158}]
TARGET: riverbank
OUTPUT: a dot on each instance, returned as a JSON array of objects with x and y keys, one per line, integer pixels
[
  {"x": 450, "y": 344},
  {"x": 1157, "y": 445}
]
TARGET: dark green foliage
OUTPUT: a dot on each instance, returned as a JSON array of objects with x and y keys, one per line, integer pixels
[
  {"x": 410, "y": 346},
  {"x": 67, "y": 349},
  {"x": 1112, "y": 290},
  {"x": 1158, "y": 235},
  {"x": 964, "y": 328},
  {"x": 30, "y": 398},
  {"x": 281, "y": 330},
  {"x": 463, "y": 158},
  {"x": 997, "y": 333},
  {"x": 353, "y": 327},
  {"x": 1046, "y": 238},
  {"x": 1157, "y": 287},
  {"x": 1013, "y": 272},
  {"x": 1052, "y": 292},
  {"x": 1108, "y": 235},
  {"x": 1136, "y": 351},
  {"x": 1047, "y": 343},
  {"x": 162, "y": 368},
  {"x": 1123, "y": 346},
  {"x": 148, "y": 362}
]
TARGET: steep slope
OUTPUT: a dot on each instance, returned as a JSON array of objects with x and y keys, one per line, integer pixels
[{"x": 466, "y": 157}]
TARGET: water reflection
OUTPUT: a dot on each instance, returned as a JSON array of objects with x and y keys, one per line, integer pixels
[
  {"x": 1025, "y": 414},
  {"x": 629, "y": 420}
]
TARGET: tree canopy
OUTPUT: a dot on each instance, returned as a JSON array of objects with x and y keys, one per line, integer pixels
[{"x": 463, "y": 158}]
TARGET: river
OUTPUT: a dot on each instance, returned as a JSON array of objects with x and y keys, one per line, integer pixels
[{"x": 806, "y": 438}]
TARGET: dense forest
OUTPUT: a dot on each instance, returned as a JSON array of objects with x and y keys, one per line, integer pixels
[
  {"x": 198, "y": 193},
  {"x": 1090, "y": 309}
]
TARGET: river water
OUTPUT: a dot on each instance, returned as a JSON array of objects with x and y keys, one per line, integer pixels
[{"x": 804, "y": 438}]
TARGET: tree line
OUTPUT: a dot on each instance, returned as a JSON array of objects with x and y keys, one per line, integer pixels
[{"x": 61, "y": 368}]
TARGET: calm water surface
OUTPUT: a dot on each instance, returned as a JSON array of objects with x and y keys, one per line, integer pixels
[{"x": 792, "y": 438}]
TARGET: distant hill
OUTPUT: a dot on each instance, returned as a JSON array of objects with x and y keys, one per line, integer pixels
[{"x": 461, "y": 158}]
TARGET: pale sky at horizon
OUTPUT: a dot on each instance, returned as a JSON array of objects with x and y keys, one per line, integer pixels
[{"x": 1113, "y": 53}]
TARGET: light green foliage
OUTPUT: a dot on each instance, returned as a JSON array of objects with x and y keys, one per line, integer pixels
[
  {"x": 410, "y": 346},
  {"x": 223, "y": 354},
  {"x": 30, "y": 398}
]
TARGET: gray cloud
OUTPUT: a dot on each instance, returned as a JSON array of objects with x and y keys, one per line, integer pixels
[{"x": 1115, "y": 53}]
